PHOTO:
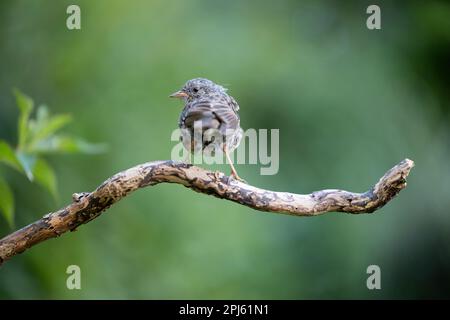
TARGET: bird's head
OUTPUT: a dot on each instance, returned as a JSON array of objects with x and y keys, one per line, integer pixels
[{"x": 196, "y": 88}]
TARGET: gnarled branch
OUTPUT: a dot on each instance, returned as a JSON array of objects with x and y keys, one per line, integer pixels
[{"x": 88, "y": 206}]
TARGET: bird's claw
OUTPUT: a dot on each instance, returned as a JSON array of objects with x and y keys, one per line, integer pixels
[{"x": 236, "y": 177}]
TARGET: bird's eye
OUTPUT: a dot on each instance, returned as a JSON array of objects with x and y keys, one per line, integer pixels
[{"x": 195, "y": 90}]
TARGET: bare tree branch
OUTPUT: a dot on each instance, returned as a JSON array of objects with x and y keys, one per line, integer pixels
[{"x": 88, "y": 206}]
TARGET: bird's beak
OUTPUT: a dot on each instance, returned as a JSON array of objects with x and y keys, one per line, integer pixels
[{"x": 178, "y": 94}]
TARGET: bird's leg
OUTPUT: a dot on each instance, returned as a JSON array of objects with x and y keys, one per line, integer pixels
[{"x": 234, "y": 173}]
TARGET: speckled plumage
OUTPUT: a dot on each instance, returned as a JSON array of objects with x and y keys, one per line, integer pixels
[
  {"x": 208, "y": 106},
  {"x": 210, "y": 110}
]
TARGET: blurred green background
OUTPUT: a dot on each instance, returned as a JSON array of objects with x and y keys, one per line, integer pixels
[{"x": 349, "y": 102}]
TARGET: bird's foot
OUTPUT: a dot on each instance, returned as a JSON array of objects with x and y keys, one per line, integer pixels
[{"x": 235, "y": 176}]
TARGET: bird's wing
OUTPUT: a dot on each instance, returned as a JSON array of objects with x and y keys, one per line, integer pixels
[
  {"x": 234, "y": 104},
  {"x": 200, "y": 111},
  {"x": 213, "y": 115}
]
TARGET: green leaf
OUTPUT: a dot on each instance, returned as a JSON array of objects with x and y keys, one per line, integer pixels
[
  {"x": 8, "y": 156},
  {"x": 66, "y": 144},
  {"x": 27, "y": 161},
  {"x": 44, "y": 126},
  {"x": 6, "y": 202},
  {"x": 45, "y": 176},
  {"x": 25, "y": 105},
  {"x": 42, "y": 113}
]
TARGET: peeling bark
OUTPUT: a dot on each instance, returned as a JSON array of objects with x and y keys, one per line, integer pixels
[{"x": 88, "y": 206}]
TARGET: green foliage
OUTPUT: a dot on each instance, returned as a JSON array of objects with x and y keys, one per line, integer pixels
[
  {"x": 66, "y": 144},
  {"x": 45, "y": 176},
  {"x": 37, "y": 137},
  {"x": 8, "y": 156},
  {"x": 27, "y": 162},
  {"x": 25, "y": 105},
  {"x": 6, "y": 201}
]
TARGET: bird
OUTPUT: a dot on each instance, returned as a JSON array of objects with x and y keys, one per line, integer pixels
[{"x": 214, "y": 114}]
